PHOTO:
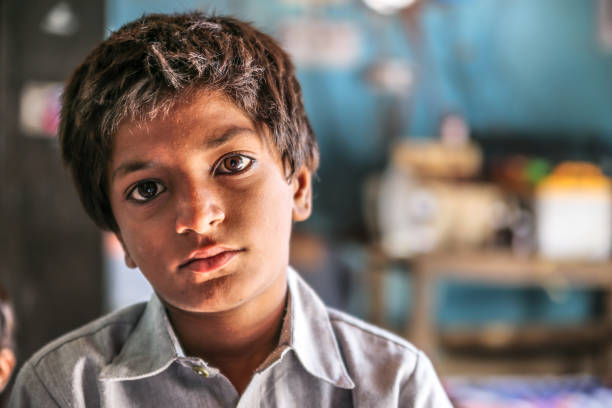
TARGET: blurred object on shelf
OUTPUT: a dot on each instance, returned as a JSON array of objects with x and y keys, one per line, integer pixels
[
  {"x": 519, "y": 174},
  {"x": 423, "y": 201},
  {"x": 574, "y": 213},
  {"x": 525, "y": 155},
  {"x": 516, "y": 392},
  {"x": 454, "y": 130},
  {"x": 449, "y": 158},
  {"x": 415, "y": 217},
  {"x": 537, "y": 170},
  {"x": 522, "y": 229}
]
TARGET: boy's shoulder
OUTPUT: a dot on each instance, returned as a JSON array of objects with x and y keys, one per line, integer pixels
[
  {"x": 100, "y": 338},
  {"x": 359, "y": 343},
  {"x": 47, "y": 378},
  {"x": 365, "y": 345},
  {"x": 357, "y": 327},
  {"x": 385, "y": 368}
]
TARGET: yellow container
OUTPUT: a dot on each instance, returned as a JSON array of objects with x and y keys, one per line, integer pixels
[{"x": 574, "y": 213}]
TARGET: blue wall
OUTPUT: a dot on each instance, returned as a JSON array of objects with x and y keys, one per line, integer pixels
[
  {"x": 516, "y": 65},
  {"x": 520, "y": 64}
]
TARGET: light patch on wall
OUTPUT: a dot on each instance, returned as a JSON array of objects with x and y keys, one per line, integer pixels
[
  {"x": 395, "y": 77},
  {"x": 40, "y": 108},
  {"x": 321, "y": 43},
  {"x": 312, "y": 3},
  {"x": 60, "y": 20},
  {"x": 388, "y": 6},
  {"x": 604, "y": 23}
]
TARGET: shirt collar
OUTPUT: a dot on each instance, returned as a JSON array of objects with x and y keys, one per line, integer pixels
[
  {"x": 153, "y": 346},
  {"x": 312, "y": 335},
  {"x": 150, "y": 349}
]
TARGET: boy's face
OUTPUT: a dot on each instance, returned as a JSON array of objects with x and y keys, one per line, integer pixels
[{"x": 203, "y": 204}]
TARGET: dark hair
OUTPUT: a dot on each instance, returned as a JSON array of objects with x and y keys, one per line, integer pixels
[{"x": 143, "y": 68}]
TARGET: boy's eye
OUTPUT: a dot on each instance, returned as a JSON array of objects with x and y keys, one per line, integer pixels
[
  {"x": 234, "y": 164},
  {"x": 146, "y": 190}
]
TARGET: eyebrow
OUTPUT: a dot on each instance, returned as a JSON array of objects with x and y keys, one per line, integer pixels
[
  {"x": 225, "y": 137},
  {"x": 131, "y": 167}
]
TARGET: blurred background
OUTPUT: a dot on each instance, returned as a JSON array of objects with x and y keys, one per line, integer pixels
[{"x": 463, "y": 201}]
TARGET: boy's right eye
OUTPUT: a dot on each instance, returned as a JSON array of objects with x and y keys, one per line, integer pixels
[{"x": 146, "y": 191}]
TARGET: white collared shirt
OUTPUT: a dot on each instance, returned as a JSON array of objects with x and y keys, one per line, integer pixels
[{"x": 325, "y": 358}]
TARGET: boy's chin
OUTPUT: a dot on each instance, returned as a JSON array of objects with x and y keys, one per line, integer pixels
[
  {"x": 201, "y": 307},
  {"x": 229, "y": 293},
  {"x": 209, "y": 305}
]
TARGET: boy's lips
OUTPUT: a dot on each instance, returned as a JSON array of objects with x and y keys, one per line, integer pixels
[{"x": 210, "y": 259}]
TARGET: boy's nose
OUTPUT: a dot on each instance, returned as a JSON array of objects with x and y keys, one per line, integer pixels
[{"x": 198, "y": 213}]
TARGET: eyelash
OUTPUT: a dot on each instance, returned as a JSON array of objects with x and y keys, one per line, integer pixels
[{"x": 160, "y": 188}]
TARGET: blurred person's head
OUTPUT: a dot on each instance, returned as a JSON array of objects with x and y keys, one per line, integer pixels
[
  {"x": 7, "y": 327},
  {"x": 142, "y": 71}
]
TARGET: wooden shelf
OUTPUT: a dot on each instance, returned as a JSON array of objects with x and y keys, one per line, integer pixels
[
  {"x": 505, "y": 269},
  {"x": 536, "y": 339}
]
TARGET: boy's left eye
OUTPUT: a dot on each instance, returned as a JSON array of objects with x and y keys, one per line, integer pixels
[{"x": 235, "y": 163}]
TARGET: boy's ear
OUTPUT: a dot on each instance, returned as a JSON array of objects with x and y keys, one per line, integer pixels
[
  {"x": 128, "y": 259},
  {"x": 302, "y": 194}
]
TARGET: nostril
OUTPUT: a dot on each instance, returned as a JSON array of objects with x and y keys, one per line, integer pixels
[{"x": 198, "y": 217}]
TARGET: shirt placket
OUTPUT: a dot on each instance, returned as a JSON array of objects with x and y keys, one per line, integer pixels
[{"x": 209, "y": 373}]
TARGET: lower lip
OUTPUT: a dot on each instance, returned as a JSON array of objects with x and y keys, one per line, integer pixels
[{"x": 206, "y": 265}]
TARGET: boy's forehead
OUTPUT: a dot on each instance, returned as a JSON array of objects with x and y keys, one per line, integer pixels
[
  {"x": 189, "y": 110},
  {"x": 212, "y": 114}
]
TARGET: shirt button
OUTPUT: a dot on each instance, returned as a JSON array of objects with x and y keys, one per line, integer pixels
[{"x": 200, "y": 371}]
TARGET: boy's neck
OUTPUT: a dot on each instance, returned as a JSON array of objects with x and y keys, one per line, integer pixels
[{"x": 236, "y": 341}]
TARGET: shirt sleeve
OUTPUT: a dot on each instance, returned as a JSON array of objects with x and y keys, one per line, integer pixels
[
  {"x": 423, "y": 388},
  {"x": 30, "y": 391}
]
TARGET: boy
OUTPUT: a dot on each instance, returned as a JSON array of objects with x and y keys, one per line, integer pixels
[{"x": 187, "y": 137}]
